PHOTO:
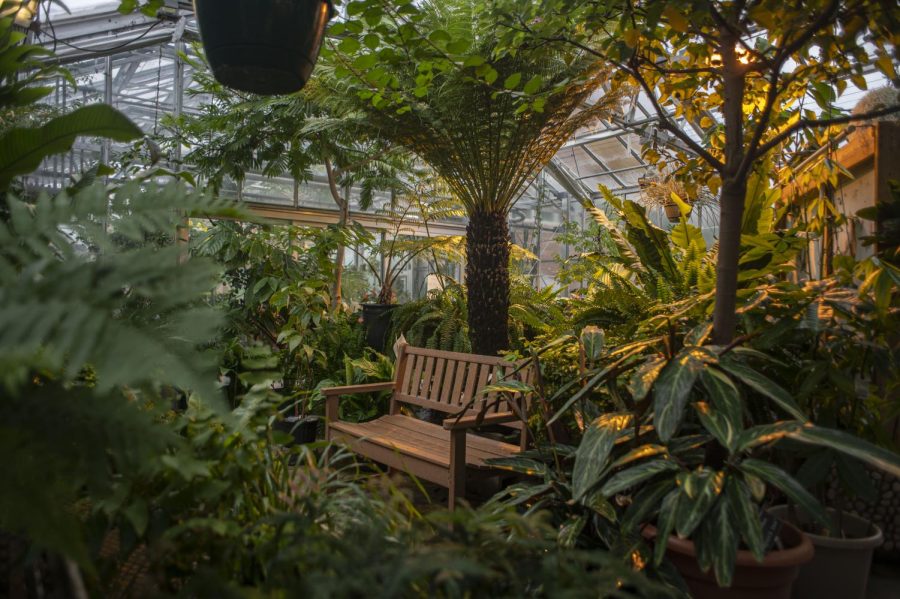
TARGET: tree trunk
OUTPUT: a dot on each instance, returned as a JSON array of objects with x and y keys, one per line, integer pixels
[
  {"x": 734, "y": 192},
  {"x": 339, "y": 259},
  {"x": 343, "y": 204},
  {"x": 487, "y": 281},
  {"x": 731, "y": 210}
]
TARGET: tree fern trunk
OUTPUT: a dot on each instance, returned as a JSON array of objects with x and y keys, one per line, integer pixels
[{"x": 487, "y": 280}]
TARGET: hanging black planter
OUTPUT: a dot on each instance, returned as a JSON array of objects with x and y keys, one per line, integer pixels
[{"x": 263, "y": 46}]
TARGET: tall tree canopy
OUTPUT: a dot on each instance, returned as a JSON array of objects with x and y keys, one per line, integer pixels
[
  {"x": 758, "y": 66},
  {"x": 427, "y": 76}
]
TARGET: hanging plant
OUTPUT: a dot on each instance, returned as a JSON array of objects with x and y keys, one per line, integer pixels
[{"x": 263, "y": 46}]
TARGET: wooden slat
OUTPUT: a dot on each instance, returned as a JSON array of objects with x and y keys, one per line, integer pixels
[
  {"x": 438, "y": 431},
  {"x": 491, "y": 399},
  {"x": 472, "y": 369},
  {"x": 434, "y": 393},
  {"x": 406, "y": 375},
  {"x": 455, "y": 393},
  {"x": 430, "y": 442},
  {"x": 377, "y": 435},
  {"x": 435, "y": 438},
  {"x": 427, "y": 373},
  {"x": 416, "y": 378},
  {"x": 482, "y": 381},
  {"x": 411, "y": 464},
  {"x": 449, "y": 380},
  {"x": 426, "y": 403},
  {"x": 449, "y": 355}
]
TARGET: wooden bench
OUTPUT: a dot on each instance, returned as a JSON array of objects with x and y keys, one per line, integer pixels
[{"x": 450, "y": 383}]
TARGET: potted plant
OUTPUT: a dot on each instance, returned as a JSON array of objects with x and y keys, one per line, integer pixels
[
  {"x": 694, "y": 451},
  {"x": 842, "y": 559},
  {"x": 842, "y": 343},
  {"x": 387, "y": 257},
  {"x": 263, "y": 46},
  {"x": 299, "y": 424}
]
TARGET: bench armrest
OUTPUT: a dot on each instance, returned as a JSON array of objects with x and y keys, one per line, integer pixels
[
  {"x": 333, "y": 396},
  {"x": 352, "y": 389},
  {"x": 456, "y": 423}
]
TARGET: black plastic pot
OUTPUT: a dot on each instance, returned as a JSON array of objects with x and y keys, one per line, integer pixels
[
  {"x": 377, "y": 319},
  {"x": 302, "y": 428},
  {"x": 263, "y": 46}
]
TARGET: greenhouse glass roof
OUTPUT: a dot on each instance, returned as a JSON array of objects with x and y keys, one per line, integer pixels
[{"x": 131, "y": 61}]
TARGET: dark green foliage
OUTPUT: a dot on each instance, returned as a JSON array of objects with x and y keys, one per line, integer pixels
[{"x": 438, "y": 321}]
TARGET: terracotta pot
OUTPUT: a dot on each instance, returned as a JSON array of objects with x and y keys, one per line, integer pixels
[
  {"x": 263, "y": 46},
  {"x": 840, "y": 568},
  {"x": 770, "y": 579}
]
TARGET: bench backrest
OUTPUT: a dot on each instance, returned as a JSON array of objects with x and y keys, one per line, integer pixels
[{"x": 448, "y": 381}]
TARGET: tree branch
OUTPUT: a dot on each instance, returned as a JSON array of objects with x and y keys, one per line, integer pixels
[
  {"x": 809, "y": 123},
  {"x": 667, "y": 124}
]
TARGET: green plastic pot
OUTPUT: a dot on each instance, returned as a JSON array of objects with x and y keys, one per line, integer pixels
[
  {"x": 840, "y": 568},
  {"x": 263, "y": 46}
]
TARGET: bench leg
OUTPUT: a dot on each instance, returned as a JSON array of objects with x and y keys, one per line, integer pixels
[{"x": 457, "y": 467}]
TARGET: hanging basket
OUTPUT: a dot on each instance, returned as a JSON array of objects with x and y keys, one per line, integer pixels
[
  {"x": 672, "y": 212},
  {"x": 263, "y": 46}
]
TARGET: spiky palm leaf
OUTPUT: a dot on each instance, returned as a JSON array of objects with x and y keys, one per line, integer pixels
[{"x": 482, "y": 138}]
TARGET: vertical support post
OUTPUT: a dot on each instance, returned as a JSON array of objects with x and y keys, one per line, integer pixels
[
  {"x": 183, "y": 232},
  {"x": 399, "y": 373},
  {"x": 106, "y": 146},
  {"x": 457, "y": 484}
]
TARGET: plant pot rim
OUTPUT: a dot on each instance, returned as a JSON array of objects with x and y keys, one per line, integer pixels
[
  {"x": 862, "y": 543},
  {"x": 302, "y": 419},
  {"x": 799, "y": 554}
]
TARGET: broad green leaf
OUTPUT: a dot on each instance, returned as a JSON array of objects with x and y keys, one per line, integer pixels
[
  {"x": 674, "y": 385},
  {"x": 592, "y": 383},
  {"x": 766, "y": 433},
  {"x": 637, "y": 474},
  {"x": 510, "y": 386},
  {"x": 349, "y": 45},
  {"x": 569, "y": 531},
  {"x": 523, "y": 492},
  {"x": 473, "y": 61},
  {"x": 725, "y": 398},
  {"x": 592, "y": 456},
  {"x": 533, "y": 85},
  {"x": 717, "y": 425},
  {"x": 22, "y": 149},
  {"x": 699, "y": 490},
  {"x": 645, "y": 502},
  {"x": 665, "y": 524},
  {"x": 856, "y": 478},
  {"x": 721, "y": 531},
  {"x": 848, "y": 444},
  {"x": 783, "y": 481},
  {"x": 685, "y": 235},
  {"x": 762, "y": 384},
  {"x": 746, "y": 515},
  {"x": 639, "y": 453},
  {"x": 528, "y": 466},
  {"x": 512, "y": 82},
  {"x": 645, "y": 376},
  {"x": 592, "y": 339}
]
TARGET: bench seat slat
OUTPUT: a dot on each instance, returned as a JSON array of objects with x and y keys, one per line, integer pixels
[{"x": 424, "y": 440}]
